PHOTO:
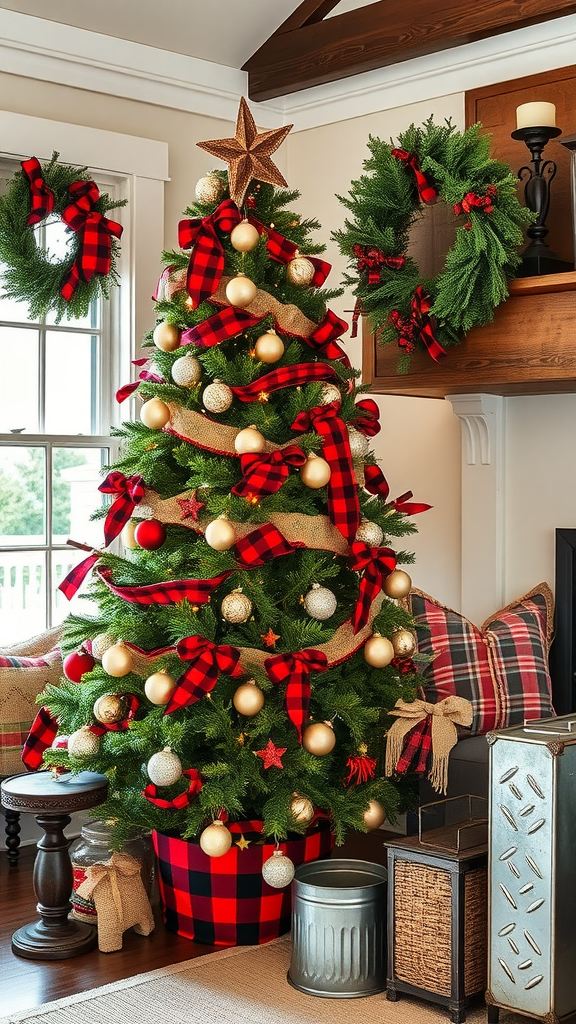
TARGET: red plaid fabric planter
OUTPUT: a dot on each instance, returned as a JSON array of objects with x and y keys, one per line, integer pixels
[{"x": 224, "y": 901}]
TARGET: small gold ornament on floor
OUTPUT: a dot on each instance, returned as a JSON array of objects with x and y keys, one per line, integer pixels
[
  {"x": 241, "y": 291},
  {"x": 117, "y": 661},
  {"x": 319, "y": 738},
  {"x": 397, "y": 584},
  {"x": 209, "y": 189},
  {"x": 110, "y": 708},
  {"x": 220, "y": 534},
  {"x": 316, "y": 472},
  {"x": 369, "y": 533},
  {"x": 359, "y": 444},
  {"x": 378, "y": 651},
  {"x": 301, "y": 808},
  {"x": 166, "y": 336},
  {"x": 278, "y": 870},
  {"x": 154, "y": 414},
  {"x": 249, "y": 440},
  {"x": 320, "y": 603},
  {"x": 236, "y": 607},
  {"x": 404, "y": 643},
  {"x": 300, "y": 271},
  {"x": 159, "y": 687},
  {"x": 269, "y": 348},
  {"x": 186, "y": 371},
  {"x": 83, "y": 743},
  {"x": 330, "y": 393},
  {"x": 248, "y": 699},
  {"x": 216, "y": 840},
  {"x": 100, "y": 644},
  {"x": 244, "y": 237},
  {"x": 164, "y": 768},
  {"x": 217, "y": 397},
  {"x": 374, "y": 815}
]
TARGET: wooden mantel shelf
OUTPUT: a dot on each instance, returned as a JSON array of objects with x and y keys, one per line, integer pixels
[{"x": 528, "y": 349}]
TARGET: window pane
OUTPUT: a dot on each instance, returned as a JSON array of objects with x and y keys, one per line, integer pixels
[
  {"x": 9, "y": 308},
  {"x": 18, "y": 380},
  {"x": 22, "y": 490},
  {"x": 71, "y": 361},
  {"x": 22, "y": 595},
  {"x": 75, "y": 494},
  {"x": 62, "y": 563}
]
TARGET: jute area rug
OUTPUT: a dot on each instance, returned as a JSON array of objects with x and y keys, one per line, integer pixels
[{"x": 243, "y": 985}]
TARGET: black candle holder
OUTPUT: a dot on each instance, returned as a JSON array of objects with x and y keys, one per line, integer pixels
[{"x": 537, "y": 257}]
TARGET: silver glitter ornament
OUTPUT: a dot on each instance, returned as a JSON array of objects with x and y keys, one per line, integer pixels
[
  {"x": 186, "y": 371},
  {"x": 330, "y": 393},
  {"x": 236, "y": 607},
  {"x": 100, "y": 645},
  {"x": 217, "y": 397},
  {"x": 278, "y": 871},
  {"x": 369, "y": 533},
  {"x": 320, "y": 603},
  {"x": 359, "y": 444},
  {"x": 209, "y": 189},
  {"x": 164, "y": 768}
]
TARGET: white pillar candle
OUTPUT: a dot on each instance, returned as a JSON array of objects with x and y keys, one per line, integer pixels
[{"x": 536, "y": 115}]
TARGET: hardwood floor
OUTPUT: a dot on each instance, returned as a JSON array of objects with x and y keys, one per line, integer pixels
[{"x": 29, "y": 983}]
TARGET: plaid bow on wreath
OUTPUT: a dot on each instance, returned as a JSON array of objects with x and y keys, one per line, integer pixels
[
  {"x": 95, "y": 236},
  {"x": 41, "y": 196}
]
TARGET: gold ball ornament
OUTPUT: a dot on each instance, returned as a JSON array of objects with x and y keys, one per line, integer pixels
[
  {"x": 319, "y": 738},
  {"x": 110, "y": 708},
  {"x": 83, "y": 743},
  {"x": 128, "y": 538},
  {"x": 117, "y": 661},
  {"x": 378, "y": 651},
  {"x": 100, "y": 645},
  {"x": 369, "y": 533},
  {"x": 269, "y": 348},
  {"x": 155, "y": 414},
  {"x": 374, "y": 815},
  {"x": 186, "y": 371},
  {"x": 244, "y": 237},
  {"x": 248, "y": 699},
  {"x": 216, "y": 840},
  {"x": 166, "y": 336},
  {"x": 301, "y": 808},
  {"x": 359, "y": 444},
  {"x": 249, "y": 440},
  {"x": 164, "y": 768},
  {"x": 241, "y": 291},
  {"x": 404, "y": 643},
  {"x": 330, "y": 393},
  {"x": 320, "y": 603},
  {"x": 159, "y": 687},
  {"x": 278, "y": 870},
  {"x": 397, "y": 584},
  {"x": 315, "y": 473},
  {"x": 300, "y": 271},
  {"x": 220, "y": 534},
  {"x": 209, "y": 189},
  {"x": 217, "y": 397},
  {"x": 236, "y": 607}
]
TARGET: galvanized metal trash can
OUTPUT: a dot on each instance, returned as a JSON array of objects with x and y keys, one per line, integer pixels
[{"x": 339, "y": 929}]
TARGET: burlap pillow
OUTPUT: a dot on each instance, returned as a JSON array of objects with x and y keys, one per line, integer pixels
[{"x": 25, "y": 669}]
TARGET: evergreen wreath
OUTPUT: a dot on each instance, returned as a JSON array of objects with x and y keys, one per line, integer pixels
[
  {"x": 45, "y": 193},
  {"x": 431, "y": 163}
]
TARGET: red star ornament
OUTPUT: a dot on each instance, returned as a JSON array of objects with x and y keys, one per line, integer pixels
[
  {"x": 269, "y": 638},
  {"x": 190, "y": 506},
  {"x": 271, "y": 755}
]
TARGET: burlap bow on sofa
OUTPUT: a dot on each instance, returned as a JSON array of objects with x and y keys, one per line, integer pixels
[{"x": 445, "y": 716}]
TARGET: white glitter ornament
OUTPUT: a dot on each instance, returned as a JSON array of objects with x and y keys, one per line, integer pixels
[
  {"x": 209, "y": 189},
  {"x": 278, "y": 871},
  {"x": 359, "y": 443},
  {"x": 320, "y": 603},
  {"x": 83, "y": 743},
  {"x": 236, "y": 607},
  {"x": 186, "y": 371},
  {"x": 217, "y": 397},
  {"x": 330, "y": 393},
  {"x": 369, "y": 533},
  {"x": 164, "y": 768},
  {"x": 100, "y": 645}
]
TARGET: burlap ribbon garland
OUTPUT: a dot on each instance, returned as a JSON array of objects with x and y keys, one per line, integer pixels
[{"x": 446, "y": 715}]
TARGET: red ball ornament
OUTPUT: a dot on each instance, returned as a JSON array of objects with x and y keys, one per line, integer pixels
[
  {"x": 76, "y": 664},
  {"x": 150, "y": 534}
]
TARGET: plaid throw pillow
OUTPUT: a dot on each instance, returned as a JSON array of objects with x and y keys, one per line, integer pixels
[
  {"x": 501, "y": 668},
  {"x": 22, "y": 678}
]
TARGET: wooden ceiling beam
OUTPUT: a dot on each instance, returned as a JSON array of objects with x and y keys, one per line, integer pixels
[{"x": 305, "y": 52}]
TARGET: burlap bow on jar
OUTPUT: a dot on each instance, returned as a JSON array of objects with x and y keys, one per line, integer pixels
[
  {"x": 121, "y": 902},
  {"x": 443, "y": 719}
]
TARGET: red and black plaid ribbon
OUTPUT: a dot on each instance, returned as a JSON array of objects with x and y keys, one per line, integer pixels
[
  {"x": 180, "y": 801},
  {"x": 219, "y": 327},
  {"x": 72, "y": 582},
  {"x": 206, "y": 264},
  {"x": 128, "y": 389},
  {"x": 417, "y": 747},
  {"x": 207, "y": 661},
  {"x": 295, "y": 669},
  {"x": 368, "y": 419},
  {"x": 43, "y": 731},
  {"x": 129, "y": 491},
  {"x": 284, "y": 377},
  {"x": 372, "y": 259},
  {"x": 343, "y": 504},
  {"x": 360, "y": 769},
  {"x": 409, "y": 508},
  {"x": 132, "y": 705},
  {"x": 473, "y": 201},
  {"x": 426, "y": 190},
  {"x": 41, "y": 196},
  {"x": 418, "y": 326},
  {"x": 265, "y": 473},
  {"x": 95, "y": 236},
  {"x": 377, "y": 564},
  {"x": 323, "y": 338},
  {"x": 375, "y": 482},
  {"x": 283, "y": 251}
]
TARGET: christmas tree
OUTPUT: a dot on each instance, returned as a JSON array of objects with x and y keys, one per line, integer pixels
[{"x": 249, "y": 642}]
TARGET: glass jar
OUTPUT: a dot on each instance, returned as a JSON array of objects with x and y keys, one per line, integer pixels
[{"x": 93, "y": 847}]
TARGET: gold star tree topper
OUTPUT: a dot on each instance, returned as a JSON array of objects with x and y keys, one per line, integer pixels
[{"x": 248, "y": 154}]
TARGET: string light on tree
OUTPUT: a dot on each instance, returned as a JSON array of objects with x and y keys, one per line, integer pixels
[
  {"x": 378, "y": 651},
  {"x": 220, "y": 534},
  {"x": 241, "y": 291},
  {"x": 320, "y": 603},
  {"x": 117, "y": 661},
  {"x": 315, "y": 473},
  {"x": 369, "y": 533},
  {"x": 269, "y": 348},
  {"x": 216, "y": 840},
  {"x": 166, "y": 336},
  {"x": 397, "y": 584},
  {"x": 159, "y": 687},
  {"x": 155, "y": 414},
  {"x": 278, "y": 870},
  {"x": 248, "y": 699},
  {"x": 164, "y": 768},
  {"x": 236, "y": 607},
  {"x": 217, "y": 397},
  {"x": 209, "y": 189},
  {"x": 244, "y": 237},
  {"x": 249, "y": 440},
  {"x": 186, "y": 371},
  {"x": 319, "y": 738}
]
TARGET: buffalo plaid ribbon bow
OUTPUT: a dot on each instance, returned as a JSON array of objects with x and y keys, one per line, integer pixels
[
  {"x": 474, "y": 201},
  {"x": 372, "y": 259},
  {"x": 283, "y": 251},
  {"x": 376, "y": 483},
  {"x": 207, "y": 661},
  {"x": 442, "y": 718},
  {"x": 418, "y": 326},
  {"x": 206, "y": 264},
  {"x": 367, "y": 421},
  {"x": 96, "y": 232},
  {"x": 284, "y": 377},
  {"x": 43, "y": 731},
  {"x": 295, "y": 669},
  {"x": 323, "y": 338},
  {"x": 183, "y": 799},
  {"x": 41, "y": 196},
  {"x": 129, "y": 492},
  {"x": 343, "y": 504},
  {"x": 426, "y": 191},
  {"x": 265, "y": 473},
  {"x": 417, "y": 747},
  {"x": 377, "y": 563}
]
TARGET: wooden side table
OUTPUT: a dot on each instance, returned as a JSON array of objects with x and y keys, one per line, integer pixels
[{"x": 54, "y": 936}]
